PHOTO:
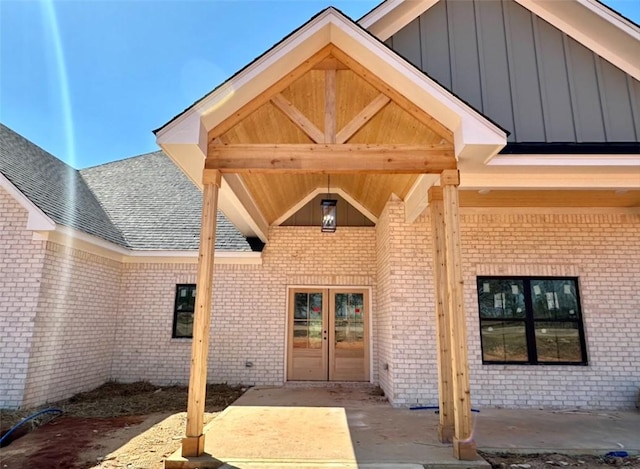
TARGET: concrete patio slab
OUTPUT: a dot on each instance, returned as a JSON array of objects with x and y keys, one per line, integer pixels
[
  {"x": 351, "y": 427},
  {"x": 557, "y": 431}
]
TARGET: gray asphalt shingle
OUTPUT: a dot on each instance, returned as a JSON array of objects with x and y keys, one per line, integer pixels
[
  {"x": 142, "y": 203},
  {"x": 54, "y": 187},
  {"x": 155, "y": 205}
]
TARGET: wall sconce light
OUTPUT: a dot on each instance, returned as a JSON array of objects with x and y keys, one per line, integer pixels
[{"x": 329, "y": 211}]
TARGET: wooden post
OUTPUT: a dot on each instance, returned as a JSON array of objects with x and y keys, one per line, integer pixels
[
  {"x": 463, "y": 445},
  {"x": 443, "y": 329},
  {"x": 193, "y": 444}
]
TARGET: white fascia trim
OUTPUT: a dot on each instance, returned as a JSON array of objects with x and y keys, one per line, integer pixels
[
  {"x": 241, "y": 209},
  {"x": 73, "y": 238},
  {"x": 542, "y": 178},
  {"x": 37, "y": 220},
  {"x": 566, "y": 160},
  {"x": 417, "y": 199},
  {"x": 322, "y": 190},
  {"x": 595, "y": 27},
  {"x": 393, "y": 15}
]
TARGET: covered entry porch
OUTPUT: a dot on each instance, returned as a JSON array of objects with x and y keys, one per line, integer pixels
[
  {"x": 332, "y": 102},
  {"x": 356, "y": 428}
]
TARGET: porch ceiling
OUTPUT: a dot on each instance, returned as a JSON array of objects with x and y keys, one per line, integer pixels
[{"x": 330, "y": 103}]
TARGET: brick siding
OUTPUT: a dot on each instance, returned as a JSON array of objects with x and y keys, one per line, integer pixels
[
  {"x": 407, "y": 316},
  {"x": 21, "y": 260},
  {"x": 249, "y": 315},
  {"x": 75, "y": 325},
  {"x": 602, "y": 250},
  {"x": 72, "y": 320}
]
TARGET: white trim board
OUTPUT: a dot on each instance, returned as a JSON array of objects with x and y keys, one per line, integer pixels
[
  {"x": 566, "y": 160},
  {"x": 76, "y": 239}
]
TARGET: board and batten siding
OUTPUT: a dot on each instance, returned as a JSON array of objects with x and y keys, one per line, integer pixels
[{"x": 522, "y": 72}]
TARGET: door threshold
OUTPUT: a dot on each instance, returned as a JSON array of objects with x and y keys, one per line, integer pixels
[{"x": 329, "y": 384}]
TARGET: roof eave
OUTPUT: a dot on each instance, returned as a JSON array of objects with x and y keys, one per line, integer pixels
[{"x": 189, "y": 131}]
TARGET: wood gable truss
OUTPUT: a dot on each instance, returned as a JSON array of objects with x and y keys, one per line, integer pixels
[{"x": 330, "y": 115}]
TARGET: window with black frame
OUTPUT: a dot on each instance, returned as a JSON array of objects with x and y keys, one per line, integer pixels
[
  {"x": 183, "y": 311},
  {"x": 531, "y": 320}
]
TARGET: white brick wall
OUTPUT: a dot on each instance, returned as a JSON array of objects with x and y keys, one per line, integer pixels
[
  {"x": 407, "y": 317},
  {"x": 75, "y": 325},
  {"x": 602, "y": 250},
  {"x": 21, "y": 261},
  {"x": 249, "y": 306},
  {"x": 382, "y": 315},
  {"x": 98, "y": 319}
]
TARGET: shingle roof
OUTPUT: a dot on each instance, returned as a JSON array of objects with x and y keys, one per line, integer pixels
[
  {"x": 141, "y": 203},
  {"x": 54, "y": 187},
  {"x": 155, "y": 205}
]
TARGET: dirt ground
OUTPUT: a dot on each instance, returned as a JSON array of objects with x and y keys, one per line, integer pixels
[
  {"x": 136, "y": 426},
  {"x": 551, "y": 461},
  {"x": 131, "y": 426}
]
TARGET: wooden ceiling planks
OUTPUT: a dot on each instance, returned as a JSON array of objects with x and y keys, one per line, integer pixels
[
  {"x": 277, "y": 193},
  {"x": 267, "y": 124},
  {"x": 394, "y": 125},
  {"x": 374, "y": 190},
  {"x": 307, "y": 95},
  {"x": 367, "y": 111},
  {"x": 353, "y": 94}
]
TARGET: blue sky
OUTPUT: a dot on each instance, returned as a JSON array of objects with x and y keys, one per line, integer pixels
[{"x": 88, "y": 80}]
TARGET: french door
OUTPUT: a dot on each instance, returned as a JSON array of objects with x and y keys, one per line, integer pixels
[{"x": 328, "y": 335}]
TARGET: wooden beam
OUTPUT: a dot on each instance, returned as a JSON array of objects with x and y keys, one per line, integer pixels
[
  {"x": 388, "y": 90},
  {"x": 193, "y": 443},
  {"x": 330, "y": 158},
  {"x": 266, "y": 95},
  {"x": 362, "y": 118},
  {"x": 298, "y": 118},
  {"x": 330, "y": 106},
  {"x": 443, "y": 327},
  {"x": 463, "y": 445}
]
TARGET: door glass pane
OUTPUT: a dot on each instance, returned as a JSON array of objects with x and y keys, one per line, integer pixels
[
  {"x": 558, "y": 342},
  {"x": 504, "y": 341},
  {"x": 349, "y": 322},
  {"x": 307, "y": 321}
]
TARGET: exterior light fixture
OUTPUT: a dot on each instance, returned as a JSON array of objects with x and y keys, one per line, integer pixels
[{"x": 329, "y": 211}]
